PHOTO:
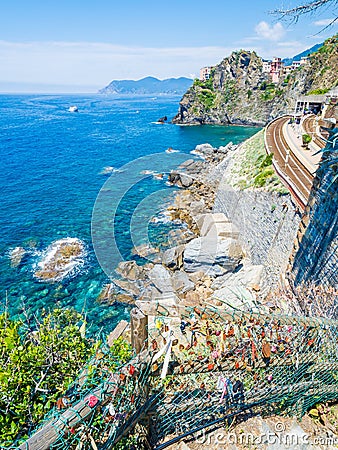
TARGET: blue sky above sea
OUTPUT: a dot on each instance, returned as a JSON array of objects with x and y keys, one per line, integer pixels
[{"x": 80, "y": 46}]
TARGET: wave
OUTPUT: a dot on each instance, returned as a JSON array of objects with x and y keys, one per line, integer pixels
[
  {"x": 108, "y": 170},
  {"x": 162, "y": 217},
  {"x": 171, "y": 150},
  {"x": 197, "y": 153},
  {"x": 155, "y": 175}
]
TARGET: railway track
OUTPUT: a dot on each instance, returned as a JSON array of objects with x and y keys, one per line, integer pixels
[{"x": 292, "y": 171}]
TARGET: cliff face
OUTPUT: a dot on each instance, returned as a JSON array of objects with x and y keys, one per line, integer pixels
[{"x": 239, "y": 92}]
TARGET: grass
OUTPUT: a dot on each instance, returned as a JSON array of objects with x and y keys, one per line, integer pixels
[{"x": 253, "y": 168}]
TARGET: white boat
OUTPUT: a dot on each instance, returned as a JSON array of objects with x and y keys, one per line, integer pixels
[{"x": 73, "y": 109}]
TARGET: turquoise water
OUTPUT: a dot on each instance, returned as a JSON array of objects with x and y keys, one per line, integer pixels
[{"x": 51, "y": 164}]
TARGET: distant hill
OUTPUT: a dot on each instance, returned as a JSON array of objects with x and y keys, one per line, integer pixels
[
  {"x": 148, "y": 86},
  {"x": 288, "y": 61}
]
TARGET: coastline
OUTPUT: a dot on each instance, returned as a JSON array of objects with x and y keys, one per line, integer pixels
[{"x": 206, "y": 261}]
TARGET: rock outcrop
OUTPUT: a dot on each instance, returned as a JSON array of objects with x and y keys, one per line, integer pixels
[
  {"x": 60, "y": 259},
  {"x": 16, "y": 255}
]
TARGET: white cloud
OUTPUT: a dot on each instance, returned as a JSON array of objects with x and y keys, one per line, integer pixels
[
  {"x": 96, "y": 64},
  {"x": 323, "y": 22},
  {"x": 284, "y": 49},
  {"x": 269, "y": 32}
]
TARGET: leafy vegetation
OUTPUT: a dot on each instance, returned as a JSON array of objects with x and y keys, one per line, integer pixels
[
  {"x": 205, "y": 92},
  {"x": 206, "y": 97},
  {"x": 270, "y": 91},
  {"x": 36, "y": 366},
  {"x": 261, "y": 179},
  {"x": 230, "y": 91},
  {"x": 318, "y": 91},
  {"x": 207, "y": 84},
  {"x": 253, "y": 167},
  {"x": 306, "y": 138}
]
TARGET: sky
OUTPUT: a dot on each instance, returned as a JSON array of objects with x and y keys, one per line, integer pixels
[{"x": 80, "y": 46}]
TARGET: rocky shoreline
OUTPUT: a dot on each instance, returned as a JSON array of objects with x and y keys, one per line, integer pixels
[{"x": 206, "y": 262}]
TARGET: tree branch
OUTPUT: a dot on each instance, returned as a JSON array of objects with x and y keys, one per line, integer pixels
[{"x": 302, "y": 9}]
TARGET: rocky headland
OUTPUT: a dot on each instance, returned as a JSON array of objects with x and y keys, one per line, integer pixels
[{"x": 240, "y": 92}]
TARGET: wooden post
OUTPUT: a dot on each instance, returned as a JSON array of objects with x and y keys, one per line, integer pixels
[{"x": 139, "y": 329}]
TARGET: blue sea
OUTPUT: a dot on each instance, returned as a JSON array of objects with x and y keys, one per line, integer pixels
[{"x": 62, "y": 175}]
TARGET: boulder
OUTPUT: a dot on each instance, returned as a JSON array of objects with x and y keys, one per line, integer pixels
[
  {"x": 205, "y": 149},
  {"x": 162, "y": 119},
  {"x": 60, "y": 259},
  {"x": 130, "y": 270},
  {"x": 236, "y": 288},
  {"x": 146, "y": 251},
  {"x": 193, "y": 298},
  {"x": 124, "y": 298},
  {"x": 186, "y": 164},
  {"x": 197, "y": 207},
  {"x": 107, "y": 293},
  {"x": 206, "y": 221},
  {"x": 131, "y": 287},
  {"x": 181, "y": 282},
  {"x": 237, "y": 297},
  {"x": 223, "y": 230},
  {"x": 16, "y": 255},
  {"x": 248, "y": 276},
  {"x": 149, "y": 293},
  {"x": 186, "y": 180},
  {"x": 173, "y": 257},
  {"x": 196, "y": 277},
  {"x": 211, "y": 256},
  {"x": 161, "y": 278},
  {"x": 180, "y": 179}
]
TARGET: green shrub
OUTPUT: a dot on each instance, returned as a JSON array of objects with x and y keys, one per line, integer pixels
[
  {"x": 306, "y": 139},
  {"x": 261, "y": 179},
  {"x": 265, "y": 161},
  {"x": 37, "y": 366},
  {"x": 207, "y": 98},
  {"x": 318, "y": 91},
  {"x": 207, "y": 84}
]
